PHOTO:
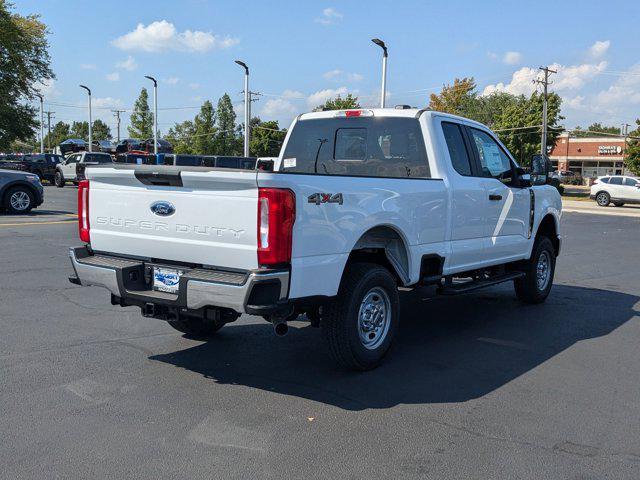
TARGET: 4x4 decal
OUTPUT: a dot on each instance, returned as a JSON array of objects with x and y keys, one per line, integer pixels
[{"x": 319, "y": 198}]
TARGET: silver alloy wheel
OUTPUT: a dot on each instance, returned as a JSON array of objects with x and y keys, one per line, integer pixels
[
  {"x": 602, "y": 199},
  {"x": 374, "y": 318},
  {"x": 20, "y": 200},
  {"x": 543, "y": 271}
]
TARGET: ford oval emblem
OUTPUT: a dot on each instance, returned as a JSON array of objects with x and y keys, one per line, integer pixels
[{"x": 162, "y": 208}]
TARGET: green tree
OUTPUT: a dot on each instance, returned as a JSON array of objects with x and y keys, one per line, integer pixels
[
  {"x": 632, "y": 157},
  {"x": 266, "y": 138},
  {"x": 204, "y": 126},
  {"x": 226, "y": 140},
  {"x": 99, "y": 130},
  {"x": 457, "y": 99},
  {"x": 24, "y": 63},
  {"x": 59, "y": 133},
  {"x": 181, "y": 136},
  {"x": 141, "y": 118},
  {"x": 595, "y": 127},
  {"x": 339, "y": 103}
]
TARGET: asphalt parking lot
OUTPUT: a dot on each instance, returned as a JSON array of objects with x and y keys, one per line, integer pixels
[{"x": 477, "y": 386}]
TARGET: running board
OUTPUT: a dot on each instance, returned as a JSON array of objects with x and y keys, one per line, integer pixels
[{"x": 472, "y": 285}]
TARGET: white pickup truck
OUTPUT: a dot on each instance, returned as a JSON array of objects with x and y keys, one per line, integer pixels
[{"x": 359, "y": 203}]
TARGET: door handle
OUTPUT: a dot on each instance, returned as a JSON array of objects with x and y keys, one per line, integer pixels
[{"x": 495, "y": 197}]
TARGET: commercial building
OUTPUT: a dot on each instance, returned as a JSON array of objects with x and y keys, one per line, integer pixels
[{"x": 589, "y": 156}]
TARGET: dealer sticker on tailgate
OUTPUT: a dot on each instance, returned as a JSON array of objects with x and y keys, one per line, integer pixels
[{"x": 166, "y": 279}]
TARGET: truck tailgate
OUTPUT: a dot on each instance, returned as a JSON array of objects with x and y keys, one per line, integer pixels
[{"x": 199, "y": 216}]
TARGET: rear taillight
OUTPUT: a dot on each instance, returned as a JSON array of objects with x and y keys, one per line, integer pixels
[
  {"x": 83, "y": 211},
  {"x": 276, "y": 216},
  {"x": 596, "y": 181}
]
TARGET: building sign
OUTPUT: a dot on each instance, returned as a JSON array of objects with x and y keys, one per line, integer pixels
[{"x": 609, "y": 150}]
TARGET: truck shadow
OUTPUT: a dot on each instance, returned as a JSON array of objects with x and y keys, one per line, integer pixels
[{"x": 449, "y": 349}]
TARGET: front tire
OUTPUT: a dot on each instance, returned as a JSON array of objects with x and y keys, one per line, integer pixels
[
  {"x": 539, "y": 270},
  {"x": 18, "y": 200},
  {"x": 603, "y": 199},
  {"x": 58, "y": 180},
  {"x": 359, "y": 326},
  {"x": 196, "y": 328}
]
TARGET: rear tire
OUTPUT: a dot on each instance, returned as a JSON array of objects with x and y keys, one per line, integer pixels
[
  {"x": 18, "y": 200},
  {"x": 359, "y": 326},
  {"x": 58, "y": 180},
  {"x": 603, "y": 199},
  {"x": 535, "y": 286},
  {"x": 618, "y": 204},
  {"x": 196, "y": 328}
]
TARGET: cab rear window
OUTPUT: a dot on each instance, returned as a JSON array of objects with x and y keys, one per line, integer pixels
[{"x": 360, "y": 146}]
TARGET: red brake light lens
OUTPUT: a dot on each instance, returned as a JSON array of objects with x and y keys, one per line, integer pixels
[
  {"x": 83, "y": 211},
  {"x": 276, "y": 216}
]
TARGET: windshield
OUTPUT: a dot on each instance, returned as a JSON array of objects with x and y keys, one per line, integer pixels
[{"x": 360, "y": 146}]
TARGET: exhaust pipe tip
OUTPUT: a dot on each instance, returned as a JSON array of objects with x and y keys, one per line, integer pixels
[{"x": 281, "y": 329}]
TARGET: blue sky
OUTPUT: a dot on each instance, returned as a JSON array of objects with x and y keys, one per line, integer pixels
[{"x": 301, "y": 52}]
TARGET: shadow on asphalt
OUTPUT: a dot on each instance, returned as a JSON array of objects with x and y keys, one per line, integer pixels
[{"x": 449, "y": 349}]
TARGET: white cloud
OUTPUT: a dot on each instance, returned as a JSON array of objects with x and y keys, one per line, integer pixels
[
  {"x": 293, "y": 94},
  {"x": 321, "y": 96},
  {"x": 128, "y": 64},
  {"x": 599, "y": 48},
  {"x": 194, "y": 86},
  {"x": 572, "y": 77},
  {"x": 623, "y": 92},
  {"x": 88, "y": 66},
  {"x": 161, "y": 36},
  {"x": 512, "y": 58},
  {"x": 577, "y": 102},
  {"x": 106, "y": 102},
  {"x": 113, "y": 77},
  {"x": 278, "y": 107},
  {"x": 47, "y": 89},
  {"x": 330, "y": 16},
  {"x": 171, "y": 80},
  {"x": 339, "y": 75}
]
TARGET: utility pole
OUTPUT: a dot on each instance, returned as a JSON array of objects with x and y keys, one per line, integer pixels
[
  {"x": 41, "y": 122},
  {"x": 545, "y": 83},
  {"x": 117, "y": 115},
  {"x": 625, "y": 132},
  {"x": 49, "y": 116}
]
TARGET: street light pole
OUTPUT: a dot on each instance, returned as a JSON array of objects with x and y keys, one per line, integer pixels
[
  {"x": 155, "y": 114},
  {"x": 89, "y": 102},
  {"x": 247, "y": 108},
  {"x": 41, "y": 123},
  {"x": 383, "y": 90}
]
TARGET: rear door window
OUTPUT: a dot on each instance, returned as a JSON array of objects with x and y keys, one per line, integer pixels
[
  {"x": 616, "y": 181},
  {"x": 457, "y": 148},
  {"x": 357, "y": 146}
]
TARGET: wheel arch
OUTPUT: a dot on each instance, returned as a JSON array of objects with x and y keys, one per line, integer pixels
[
  {"x": 385, "y": 245},
  {"x": 549, "y": 226},
  {"x": 17, "y": 183}
]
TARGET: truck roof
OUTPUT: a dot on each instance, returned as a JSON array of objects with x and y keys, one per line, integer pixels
[{"x": 388, "y": 112}]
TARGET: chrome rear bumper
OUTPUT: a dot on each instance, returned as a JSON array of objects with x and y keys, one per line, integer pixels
[{"x": 128, "y": 280}]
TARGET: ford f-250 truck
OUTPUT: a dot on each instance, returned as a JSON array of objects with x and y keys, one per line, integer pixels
[{"x": 359, "y": 203}]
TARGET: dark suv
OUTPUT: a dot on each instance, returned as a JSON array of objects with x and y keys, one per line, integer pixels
[
  {"x": 129, "y": 144},
  {"x": 19, "y": 191},
  {"x": 42, "y": 164}
]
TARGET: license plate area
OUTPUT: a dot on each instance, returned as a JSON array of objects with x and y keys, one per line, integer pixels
[{"x": 166, "y": 279}]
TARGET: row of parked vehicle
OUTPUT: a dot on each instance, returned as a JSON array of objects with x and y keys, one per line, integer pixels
[{"x": 74, "y": 145}]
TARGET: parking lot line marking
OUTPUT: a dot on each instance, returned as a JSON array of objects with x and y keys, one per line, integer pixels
[{"x": 35, "y": 223}]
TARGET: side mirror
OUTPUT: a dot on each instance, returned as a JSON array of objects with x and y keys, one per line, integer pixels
[{"x": 540, "y": 166}]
